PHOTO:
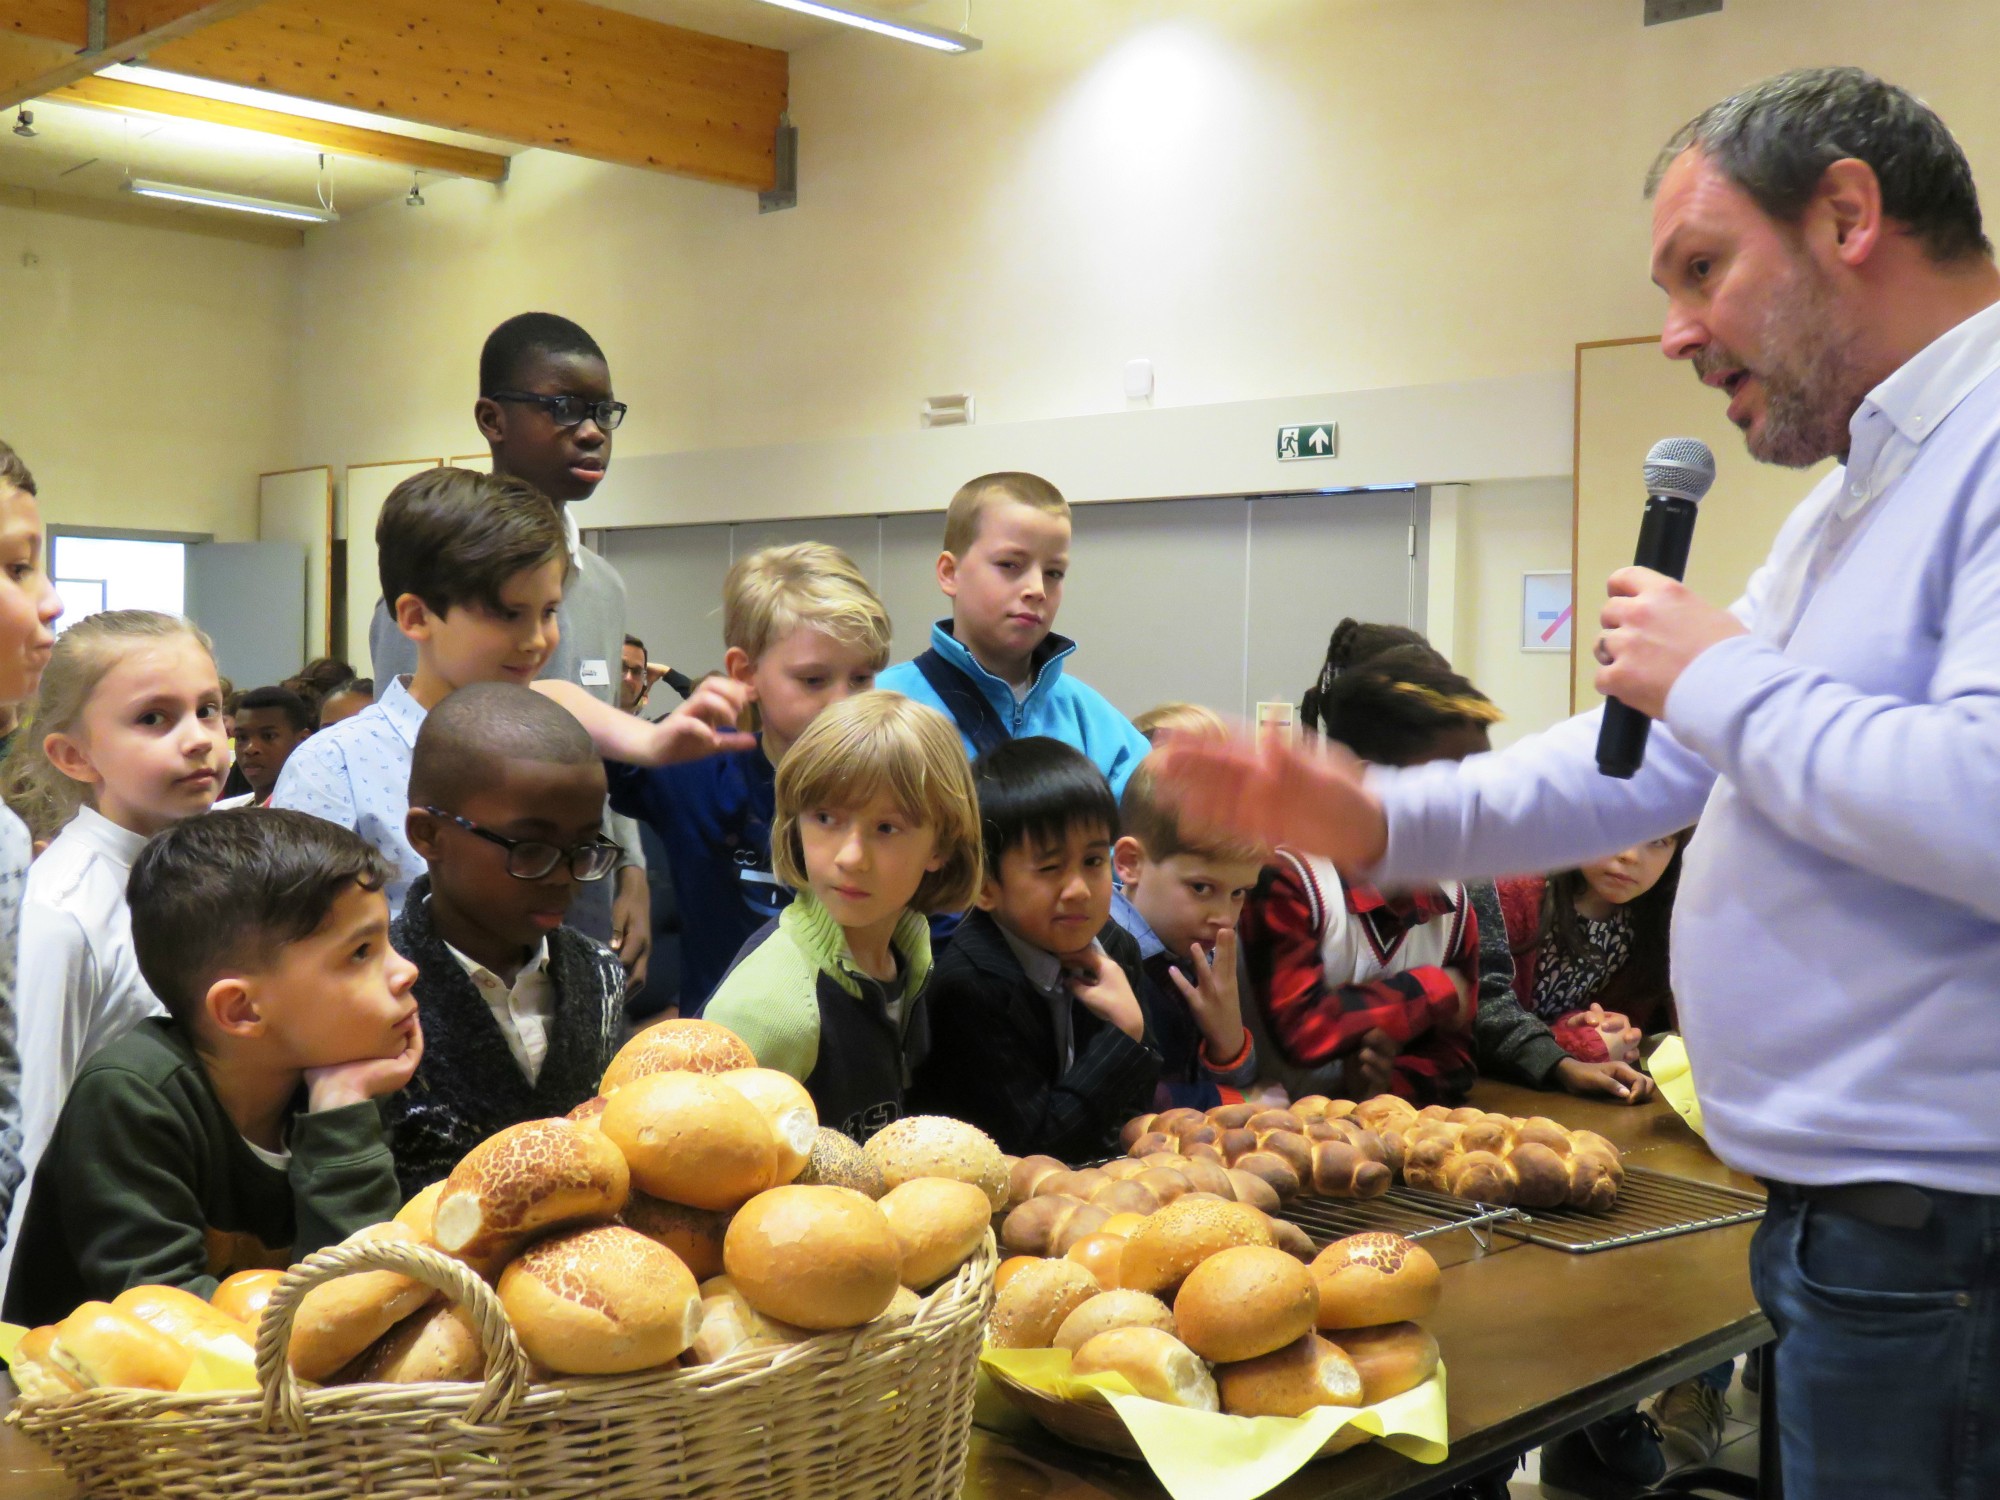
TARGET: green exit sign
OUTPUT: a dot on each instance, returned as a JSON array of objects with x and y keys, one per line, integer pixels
[{"x": 1309, "y": 440}]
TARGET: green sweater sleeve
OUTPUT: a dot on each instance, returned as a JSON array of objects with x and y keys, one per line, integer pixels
[
  {"x": 343, "y": 1176},
  {"x": 771, "y": 1000}
]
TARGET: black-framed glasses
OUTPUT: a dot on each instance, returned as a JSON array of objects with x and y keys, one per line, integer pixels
[
  {"x": 533, "y": 859},
  {"x": 569, "y": 411}
]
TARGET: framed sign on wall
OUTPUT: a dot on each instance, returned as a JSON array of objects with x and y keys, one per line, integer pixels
[{"x": 1548, "y": 610}]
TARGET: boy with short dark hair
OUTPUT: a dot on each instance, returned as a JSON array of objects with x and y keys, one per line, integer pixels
[
  {"x": 1037, "y": 1034},
  {"x": 996, "y": 668},
  {"x": 269, "y": 724},
  {"x": 239, "y": 1130},
  {"x": 521, "y": 1014}
]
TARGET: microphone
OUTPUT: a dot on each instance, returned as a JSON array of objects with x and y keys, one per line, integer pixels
[{"x": 1678, "y": 473}]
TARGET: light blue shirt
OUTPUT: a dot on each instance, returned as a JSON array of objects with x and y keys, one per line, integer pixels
[
  {"x": 1836, "y": 942},
  {"x": 357, "y": 774}
]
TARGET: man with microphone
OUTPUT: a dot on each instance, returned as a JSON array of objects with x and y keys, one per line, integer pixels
[{"x": 1837, "y": 732}]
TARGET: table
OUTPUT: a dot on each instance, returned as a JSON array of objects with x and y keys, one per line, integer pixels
[{"x": 1537, "y": 1343}]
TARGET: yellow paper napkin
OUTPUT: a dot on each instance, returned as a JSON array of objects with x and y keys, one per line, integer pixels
[{"x": 1672, "y": 1072}]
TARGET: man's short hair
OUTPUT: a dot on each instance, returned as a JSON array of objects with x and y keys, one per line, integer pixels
[
  {"x": 509, "y": 346},
  {"x": 284, "y": 700},
  {"x": 633, "y": 640},
  {"x": 1776, "y": 139},
  {"x": 1034, "y": 791},
  {"x": 1146, "y": 815},
  {"x": 770, "y": 593},
  {"x": 455, "y": 536},
  {"x": 475, "y": 731},
  {"x": 227, "y": 890},
  {"x": 14, "y": 473},
  {"x": 974, "y": 499}
]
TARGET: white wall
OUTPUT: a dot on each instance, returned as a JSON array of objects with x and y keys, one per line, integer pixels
[{"x": 1505, "y": 530}]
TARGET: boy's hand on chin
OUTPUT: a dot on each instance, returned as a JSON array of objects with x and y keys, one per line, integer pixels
[
  {"x": 705, "y": 724},
  {"x": 342, "y": 1084},
  {"x": 1103, "y": 990}
]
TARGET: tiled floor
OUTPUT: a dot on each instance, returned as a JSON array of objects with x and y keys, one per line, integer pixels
[{"x": 1738, "y": 1453}]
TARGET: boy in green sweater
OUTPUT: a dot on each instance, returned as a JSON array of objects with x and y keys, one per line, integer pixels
[{"x": 240, "y": 1130}]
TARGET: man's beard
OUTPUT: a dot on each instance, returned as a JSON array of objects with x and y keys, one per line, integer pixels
[{"x": 1810, "y": 373}]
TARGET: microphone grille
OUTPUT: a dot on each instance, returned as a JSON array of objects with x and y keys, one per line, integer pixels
[{"x": 1680, "y": 467}]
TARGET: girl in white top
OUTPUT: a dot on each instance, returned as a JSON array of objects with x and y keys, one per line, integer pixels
[{"x": 126, "y": 739}]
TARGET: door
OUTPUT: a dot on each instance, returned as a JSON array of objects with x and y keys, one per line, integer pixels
[{"x": 250, "y": 598}]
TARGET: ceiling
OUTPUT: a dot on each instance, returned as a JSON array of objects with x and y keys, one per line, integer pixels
[{"x": 767, "y": 25}]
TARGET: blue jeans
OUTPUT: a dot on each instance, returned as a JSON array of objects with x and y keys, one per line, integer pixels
[{"x": 1888, "y": 1348}]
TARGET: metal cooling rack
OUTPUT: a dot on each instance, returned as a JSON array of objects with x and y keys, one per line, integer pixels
[
  {"x": 1651, "y": 1206},
  {"x": 1404, "y": 1211}
]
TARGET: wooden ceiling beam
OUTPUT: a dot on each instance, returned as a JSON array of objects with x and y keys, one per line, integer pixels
[
  {"x": 45, "y": 44},
  {"x": 342, "y": 140}
]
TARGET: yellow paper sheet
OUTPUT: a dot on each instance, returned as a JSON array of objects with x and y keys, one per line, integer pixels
[
  {"x": 11, "y": 1335},
  {"x": 1672, "y": 1072},
  {"x": 1201, "y": 1455}
]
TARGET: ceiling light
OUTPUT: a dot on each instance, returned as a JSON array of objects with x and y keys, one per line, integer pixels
[
  {"x": 24, "y": 125},
  {"x": 205, "y": 198},
  {"x": 416, "y": 198},
  {"x": 935, "y": 37}
]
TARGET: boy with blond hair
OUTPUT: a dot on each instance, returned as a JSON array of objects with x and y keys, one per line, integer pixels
[
  {"x": 803, "y": 631},
  {"x": 996, "y": 668}
]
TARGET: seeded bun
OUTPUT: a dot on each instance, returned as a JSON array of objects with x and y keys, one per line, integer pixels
[
  {"x": 1370, "y": 1279},
  {"x": 1291, "y": 1381},
  {"x": 1171, "y": 1243},
  {"x": 1245, "y": 1302},
  {"x": 1109, "y": 1310},
  {"x": 787, "y": 1108},
  {"x": 1032, "y": 1306},
  {"x": 526, "y": 1179},
  {"x": 679, "y": 1045},
  {"x": 1155, "y": 1364},
  {"x": 938, "y": 1224},
  {"x": 820, "y": 1257},
  {"x": 694, "y": 1234},
  {"x": 601, "y": 1301},
  {"x": 938, "y": 1146},
  {"x": 692, "y": 1140},
  {"x": 835, "y": 1161}
]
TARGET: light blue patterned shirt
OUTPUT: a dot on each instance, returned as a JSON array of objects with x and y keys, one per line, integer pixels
[
  {"x": 357, "y": 774},
  {"x": 15, "y": 851}
]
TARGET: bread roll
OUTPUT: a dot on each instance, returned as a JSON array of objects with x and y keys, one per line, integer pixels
[
  {"x": 729, "y": 1323},
  {"x": 1069, "y": 1184},
  {"x": 1171, "y": 1243},
  {"x": 1236, "y": 1142},
  {"x": 1312, "y": 1107},
  {"x": 1392, "y": 1359},
  {"x": 1254, "y": 1190},
  {"x": 1206, "y": 1151},
  {"x": 1029, "y": 1310},
  {"x": 1339, "y": 1170},
  {"x": 1079, "y": 1223},
  {"x": 1009, "y": 1268},
  {"x": 1181, "y": 1117},
  {"x": 1165, "y": 1183},
  {"x": 1113, "y": 1309},
  {"x": 1029, "y": 1227},
  {"x": 835, "y": 1161},
  {"x": 1386, "y": 1112},
  {"x": 419, "y": 1215},
  {"x": 437, "y": 1343},
  {"x": 1484, "y": 1177},
  {"x": 1291, "y": 1239},
  {"x": 1292, "y": 1147},
  {"x": 1245, "y": 1302},
  {"x": 337, "y": 1319},
  {"x": 937, "y": 1146},
  {"x": 1593, "y": 1183},
  {"x": 1233, "y": 1116},
  {"x": 36, "y": 1375},
  {"x": 1374, "y": 1278},
  {"x": 694, "y": 1234},
  {"x": 787, "y": 1109},
  {"x": 1170, "y": 1159},
  {"x": 692, "y": 1140},
  {"x": 1099, "y": 1254},
  {"x": 590, "y": 1112},
  {"x": 1122, "y": 1168},
  {"x": 1153, "y": 1143},
  {"x": 1208, "y": 1176},
  {"x": 1133, "y": 1128},
  {"x": 679, "y": 1045},
  {"x": 820, "y": 1257},
  {"x": 1026, "y": 1173},
  {"x": 1116, "y": 1197},
  {"x": 525, "y": 1179},
  {"x": 1154, "y": 1364},
  {"x": 1274, "y": 1171},
  {"x": 1289, "y": 1382},
  {"x": 189, "y": 1321},
  {"x": 1122, "y": 1225},
  {"x": 97, "y": 1345},
  {"x": 938, "y": 1224},
  {"x": 601, "y": 1301},
  {"x": 1541, "y": 1176}
]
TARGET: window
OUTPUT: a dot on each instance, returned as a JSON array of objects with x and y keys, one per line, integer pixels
[{"x": 94, "y": 573}]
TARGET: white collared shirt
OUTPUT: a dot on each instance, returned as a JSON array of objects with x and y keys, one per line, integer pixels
[{"x": 522, "y": 1009}]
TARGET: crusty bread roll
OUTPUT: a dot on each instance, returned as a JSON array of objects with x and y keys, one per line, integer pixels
[
  {"x": 97, "y": 1345},
  {"x": 1245, "y": 1302},
  {"x": 938, "y": 1146},
  {"x": 692, "y": 1139},
  {"x": 835, "y": 1161},
  {"x": 601, "y": 1301},
  {"x": 1392, "y": 1359},
  {"x": 1099, "y": 1254},
  {"x": 436, "y": 1343},
  {"x": 590, "y": 1112},
  {"x": 1009, "y": 1268},
  {"x": 1029, "y": 1310},
  {"x": 787, "y": 1108},
  {"x": 420, "y": 1213},
  {"x": 679, "y": 1045},
  {"x": 1289, "y": 1382},
  {"x": 245, "y": 1295},
  {"x": 337, "y": 1319},
  {"x": 1291, "y": 1239},
  {"x": 1027, "y": 1173},
  {"x": 1251, "y": 1189},
  {"x": 820, "y": 1257},
  {"x": 729, "y": 1323},
  {"x": 1181, "y": 1236},
  {"x": 36, "y": 1375},
  {"x": 938, "y": 1223},
  {"x": 694, "y": 1234},
  {"x": 1118, "y": 1308},
  {"x": 189, "y": 1321},
  {"x": 1155, "y": 1364},
  {"x": 1122, "y": 1225},
  {"x": 1374, "y": 1278},
  {"x": 525, "y": 1179}
]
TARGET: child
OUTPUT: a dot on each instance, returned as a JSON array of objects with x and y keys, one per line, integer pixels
[
  {"x": 270, "y": 723},
  {"x": 1179, "y": 718},
  {"x": 240, "y": 1129},
  {"x": 803, "y": 631},
  {"x": 1180, "y": 900},
  {"x": 521, "y": 1015},
  {"x": 345, "y": 701},
  {"x": 1037, "y": 1034},
  {"x": 995, "y": 667},
  {"x": 28, "y": 608},
  {"x": 127, "y": 740},
  {"x": 876, "y": 829}
]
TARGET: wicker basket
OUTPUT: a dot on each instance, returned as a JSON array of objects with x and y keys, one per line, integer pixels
[{"x": 869, "y": 1414}]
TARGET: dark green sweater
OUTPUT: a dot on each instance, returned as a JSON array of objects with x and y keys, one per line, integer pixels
[{"x": 147, "y": 1181}]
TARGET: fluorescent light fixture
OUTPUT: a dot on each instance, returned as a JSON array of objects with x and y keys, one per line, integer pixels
[
  {"x": 205, "y": 198},
  {"x": 937, "y": 38}
]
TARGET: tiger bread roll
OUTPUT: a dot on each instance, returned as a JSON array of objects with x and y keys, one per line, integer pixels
[
  {"x": 245, "y": 1295},
  {"x": 338, "y": 1319},
  {"x": 1245, "y": 1302},
  {"x": 590, "y": 1112},
  {"x": 1050, "y": 1225},
  {"x": 820, "y": 1257},
  {"x": 729, "y": 1325},
  {"x": 1030, "y": 1309},
  {"x": 694, "y": 1234},
  {"x": 835, "y": 1161},
  {"x": 938, "y": 1146},
  {"x": 1373, "y": 1278},
  {"x": 437, "y": 1343},
  {"x": 97, "y": 1345},
  {"x": 195, "y": 1325},
  {"x": 1309, "y": 1372},
  {"x": 600, "y": 1301},
  {"x": 1155, "y": 1364},
  {"x": 692, "y": 1139},
  {"x": 680, "y": 1044},
  {"x": 1114, "y": 1309},
  {"x": 938, "y": 1224},
  {"x": 787, "y": 1109},
  {"x": 523, "y": 1180},
  {"x": 36, "y": 1375},
  {"x": 1171, "y": 1243},
  {"x": 1392, "y": 1359}
]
